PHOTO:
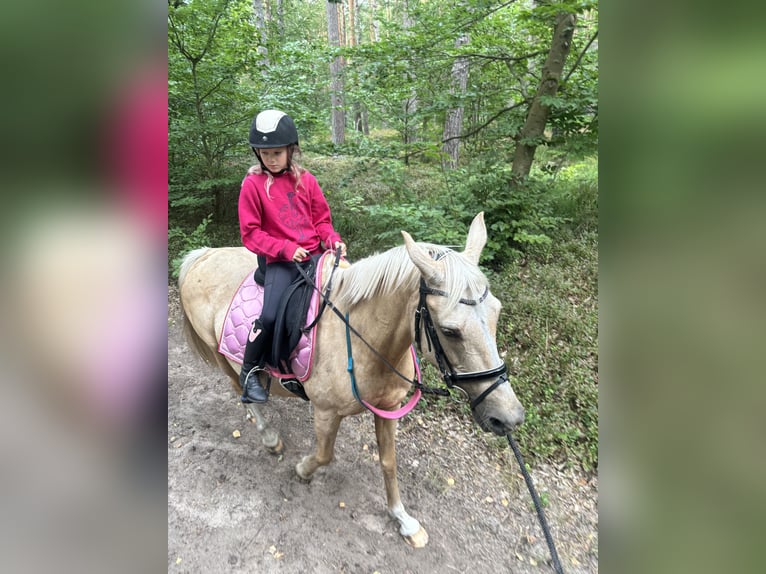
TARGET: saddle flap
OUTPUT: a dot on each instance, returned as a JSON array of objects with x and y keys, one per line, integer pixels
[{"x": 291, "y": 318}]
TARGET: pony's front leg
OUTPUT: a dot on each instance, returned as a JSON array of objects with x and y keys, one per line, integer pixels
[
  {"x": 409, "y": 528},
  {"x": 326, "y": 425},
  {"x": 269, "y": 437}
]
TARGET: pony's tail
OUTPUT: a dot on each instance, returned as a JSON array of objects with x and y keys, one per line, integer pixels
[{"x": 191, "y": 336}]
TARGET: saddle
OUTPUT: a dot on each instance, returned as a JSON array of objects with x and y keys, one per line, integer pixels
[{"x": 292, "y": 351}]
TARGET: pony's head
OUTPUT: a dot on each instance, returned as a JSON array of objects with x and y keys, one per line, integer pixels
[{"x": 458, "y": 325}]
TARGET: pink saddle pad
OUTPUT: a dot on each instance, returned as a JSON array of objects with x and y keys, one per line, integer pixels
[{"x": 245, "y": 307}]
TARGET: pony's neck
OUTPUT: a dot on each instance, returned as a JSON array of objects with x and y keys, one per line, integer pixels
[
  {"x": 381, "y": 275},
  {"x": 383, "y": 290}
]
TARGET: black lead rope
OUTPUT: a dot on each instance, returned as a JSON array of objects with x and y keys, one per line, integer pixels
[{"x": 538, "y": 504}]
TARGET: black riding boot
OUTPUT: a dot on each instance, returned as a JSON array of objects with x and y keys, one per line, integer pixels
[{"x": 252, "y": 366}]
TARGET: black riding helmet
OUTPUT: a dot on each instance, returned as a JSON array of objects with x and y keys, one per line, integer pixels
[{"x": 272, "y": 128}]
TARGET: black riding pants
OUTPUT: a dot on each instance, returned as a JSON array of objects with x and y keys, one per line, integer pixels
[{"x": 277, "y": 278}]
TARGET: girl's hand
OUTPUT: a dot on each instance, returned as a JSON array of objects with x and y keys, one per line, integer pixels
[
  {"x": 342, "y": 248},
  {"x": 300, "y": 254}
]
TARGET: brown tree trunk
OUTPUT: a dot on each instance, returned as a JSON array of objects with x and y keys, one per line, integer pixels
[
  {"x": 281, "y": 17},
  {"x": 374, "y": 23},
  {"x": 453, "y": 124},
  {"x": 537, "y": 116},
  {"x": 410, "y": 104},
  {"x": 336, "y": 78},
  {"x": 260, "y": 29}
]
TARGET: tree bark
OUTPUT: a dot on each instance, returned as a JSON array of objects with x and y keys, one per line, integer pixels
[
  {"x": 281, "y": 17},
  {"x": 338, "y": 122},
  {"x": 537, "y": 116},
  {"x": 410, "y": 104},
  {"x": 374, "y": 23},
  {"x": 453, "y": 124},
  {"x": 260, "y": 27}
]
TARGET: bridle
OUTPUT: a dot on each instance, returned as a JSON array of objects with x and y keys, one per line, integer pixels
[{"x": 450, "y": 376}]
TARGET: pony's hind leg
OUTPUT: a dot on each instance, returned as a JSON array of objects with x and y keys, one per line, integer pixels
[
  {"x": 269, "y": 437},
  {"x": 326, "y": 426},
  {"x": 385, "y": 431}
]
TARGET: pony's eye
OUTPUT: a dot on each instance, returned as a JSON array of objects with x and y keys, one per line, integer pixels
[{"x": 454, "y": 333}]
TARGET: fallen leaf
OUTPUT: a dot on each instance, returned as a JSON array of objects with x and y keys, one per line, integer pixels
[
  {"x": 178, "y": 560},
  {"x": 450, "y": 481},
  {"x": 533, "y": 562},
  {"x": 489, "y": 499},
  {"x": 365, "y": 447},
  {"x": 173, "y": 439},
  {"x": 504, "y": 502},
  {"x": 342, "y": 504},
  {"x": 272, "y": 549},
  {"x": 236, "y": 434}
]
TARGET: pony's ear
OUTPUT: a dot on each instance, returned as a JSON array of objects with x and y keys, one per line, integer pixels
[
  {"x": 429, "y": 268},
  {"x": 477, "y": 239}
]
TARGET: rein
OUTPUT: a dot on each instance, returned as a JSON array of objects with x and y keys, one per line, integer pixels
[
  {"x": 397, "y": 414},
  {"x": 416, "y": 382},
  {"x": 422, "y": 314}
]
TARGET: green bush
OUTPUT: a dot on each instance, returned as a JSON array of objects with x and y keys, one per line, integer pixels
[
  {"x": 549, "y": 328},
  {"x": 180, "y": 243},
  {"x": 574, "y": 190}
]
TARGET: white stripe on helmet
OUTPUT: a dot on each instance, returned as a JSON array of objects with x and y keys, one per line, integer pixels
[{"x": 267, "y": 121}]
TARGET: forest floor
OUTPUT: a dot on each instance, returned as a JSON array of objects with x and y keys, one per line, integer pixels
[{"x": 233, "y": 507}]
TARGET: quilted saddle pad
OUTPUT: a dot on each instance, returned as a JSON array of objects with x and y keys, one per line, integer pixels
[{"x": 246, "y": 306}]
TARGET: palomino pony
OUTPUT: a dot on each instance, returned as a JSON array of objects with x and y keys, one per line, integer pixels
[{"x": 456, "y": 314}]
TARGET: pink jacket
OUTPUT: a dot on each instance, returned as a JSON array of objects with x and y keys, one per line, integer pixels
[{"x": 277, "y": 226}]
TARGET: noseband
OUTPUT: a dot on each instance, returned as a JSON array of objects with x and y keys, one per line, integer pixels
[{"x": 451, "y": 377}]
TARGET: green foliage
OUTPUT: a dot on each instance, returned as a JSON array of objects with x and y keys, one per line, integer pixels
[
  {"x": 209, "y": 107},
  {"x": 520, "y": 217},
  {"x": 574, "y": 191},
  {"x": 180, "y": 243},
  {"x": 549, "y": 328}
]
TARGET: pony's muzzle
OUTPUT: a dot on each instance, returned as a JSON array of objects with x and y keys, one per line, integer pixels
[
  {"x": 502, "y": 426},
  {"x": 500, "y": 414}
]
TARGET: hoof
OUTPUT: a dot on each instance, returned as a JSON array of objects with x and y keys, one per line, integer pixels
[
  {"x": 278, "y": 448},
  {"x": 301, "y": 474},
  {"x": 419, "y": 539}
]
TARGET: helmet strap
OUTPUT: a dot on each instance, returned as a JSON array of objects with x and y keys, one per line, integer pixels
[{"x": 266, "y": 169}]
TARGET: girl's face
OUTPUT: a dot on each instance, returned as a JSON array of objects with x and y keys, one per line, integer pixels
[{"x": 275, "y": 159}]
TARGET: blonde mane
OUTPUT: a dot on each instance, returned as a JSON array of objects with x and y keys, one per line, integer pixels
[{"x": 393, "y": 271}]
